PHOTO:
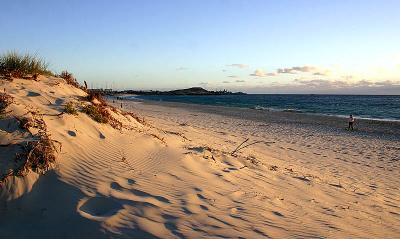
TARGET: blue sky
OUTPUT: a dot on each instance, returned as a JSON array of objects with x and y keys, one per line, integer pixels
[{"x": 239, "y": 45}]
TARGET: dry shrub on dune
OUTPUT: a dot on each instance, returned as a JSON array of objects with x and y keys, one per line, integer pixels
[
  {"x": 5, "y": 101},
  {"x": 99, "y": 110},
  {"x": 100, "y": 114},
  {"x": 94, "y": 96},
  {"x": 133, "y": 115},
  {"x": 69, "y": 78},
  {"x": 27, "y": 123},
  {"x": 37, "y": 155}
]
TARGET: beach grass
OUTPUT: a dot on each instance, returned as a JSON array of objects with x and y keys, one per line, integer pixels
[
  {"x": 14, "y": 64},
  {"x": 70, "y": 109}
]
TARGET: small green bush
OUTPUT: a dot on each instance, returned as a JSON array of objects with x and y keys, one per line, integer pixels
[
  {"x": 97, "y": 113},
  {"x": 18, "y": 65},
  {"x": 70, "y": 109}
]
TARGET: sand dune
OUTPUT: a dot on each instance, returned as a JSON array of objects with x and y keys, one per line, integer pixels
[{"x": 175, "y": 176}]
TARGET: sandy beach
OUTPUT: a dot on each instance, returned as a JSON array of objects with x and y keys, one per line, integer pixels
[{"x": 183, "y": 171}]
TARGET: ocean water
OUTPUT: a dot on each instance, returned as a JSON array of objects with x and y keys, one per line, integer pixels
[{"x": 362, "y": 106}]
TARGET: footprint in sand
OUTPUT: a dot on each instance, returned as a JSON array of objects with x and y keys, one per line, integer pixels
[
  {"x": 278, "y": 214},
  {"x": 32, "y": 94},
  {"x": 143, "y": 194},
  {"x": 116, "y": 186},
  {"x": 59, "y": 101},
  {"x": 99, "y": 207},
  {"x": 131, "y": 181}
]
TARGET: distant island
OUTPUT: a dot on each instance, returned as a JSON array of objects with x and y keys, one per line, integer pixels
[{"x": 188, "y": 91}]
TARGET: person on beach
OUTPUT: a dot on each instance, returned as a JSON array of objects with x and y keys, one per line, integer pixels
[{"x": 351, "y": 123}]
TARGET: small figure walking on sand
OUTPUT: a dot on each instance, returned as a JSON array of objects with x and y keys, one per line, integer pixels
[{"x": 351, "y": 123}]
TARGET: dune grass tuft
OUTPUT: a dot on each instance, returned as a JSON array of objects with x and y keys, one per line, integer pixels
[
  {"x": 70, "y": 109},
  {"x": 18, "y": 65}
]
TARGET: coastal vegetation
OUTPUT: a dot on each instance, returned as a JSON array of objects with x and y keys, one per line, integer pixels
[
  {"x": 38, "y": 155},
  {"x": 14, "y": 64},
  {"x": 37, "y": 152},
  {"x": 70, "y": 109},
  {"x": 5, "y": 101},
  {"x": 69, "y": 78},
  {"x": 97, "y": 113}
]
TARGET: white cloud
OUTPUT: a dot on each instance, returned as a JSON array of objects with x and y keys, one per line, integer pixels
[
  {"x": 304, "y": 69},
  {"x": 297, "y": 69},
  {"x": 261, "y": 73},
  {"x": 238, "y": 65},
  {"x": 361, "y": 85},
  {"x": 321, "y": 86},
  {"x": 182, "y": 68},
  {"x": 321, "y": 73}
]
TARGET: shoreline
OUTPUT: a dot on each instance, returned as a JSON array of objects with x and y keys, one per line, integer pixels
[
  {"x": 271, "y": 109},
  {"x": 328, "y": 123}
]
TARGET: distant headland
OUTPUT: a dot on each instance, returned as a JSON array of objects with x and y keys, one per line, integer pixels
[{"x": 188, "y": 91}]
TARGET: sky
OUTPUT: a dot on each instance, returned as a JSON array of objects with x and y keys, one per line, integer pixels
[{"x": 256, "y": 46}]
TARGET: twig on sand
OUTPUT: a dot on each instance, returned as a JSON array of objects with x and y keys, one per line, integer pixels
[
  {"x": 243, "y": 145},
  {"x": 238, "y": 147}
]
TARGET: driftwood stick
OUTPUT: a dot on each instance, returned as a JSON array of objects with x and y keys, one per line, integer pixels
[
  {"x": 247, "y": 145},
  {"x": 243, "y": 145},
  {"x": 59, "y": 114},
  {"x": 237, "y": 148}
]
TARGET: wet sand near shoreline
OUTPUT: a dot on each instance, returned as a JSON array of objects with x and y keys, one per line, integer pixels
[{"x": 389, "y": 130}]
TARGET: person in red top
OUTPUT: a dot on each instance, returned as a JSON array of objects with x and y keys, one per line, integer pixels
[{"x": 351, "y": 123}]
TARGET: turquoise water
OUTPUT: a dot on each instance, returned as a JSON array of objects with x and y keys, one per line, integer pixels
[{"x": 361, "y": 106}]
